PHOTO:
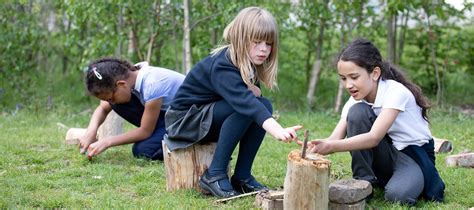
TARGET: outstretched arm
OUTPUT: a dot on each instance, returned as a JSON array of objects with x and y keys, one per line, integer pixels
[
  {"x": 280, "y": 133},
  {"x": 147, "y": 126},
  {"x": 362, "y": 141}
]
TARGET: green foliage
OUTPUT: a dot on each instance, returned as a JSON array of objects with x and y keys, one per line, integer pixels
[{"x": 45, "y": 45}]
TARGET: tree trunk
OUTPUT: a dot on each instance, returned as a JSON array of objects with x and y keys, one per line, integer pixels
[
  {"x": 187, "y": 39},
  {"x": 340, "y": 92},
  {"x": 183, "y": 167},
  {"x": 433, "y": 59},
  {"x": 401, "y": 38},
  {"x": 316, "y": 69},
  {"x": 391, "y": 37},
  {"x": 306, "y": 182},
  {"x": 156, "y": 33}
]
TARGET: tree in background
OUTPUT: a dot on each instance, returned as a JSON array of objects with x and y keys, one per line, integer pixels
[{"x": 45, "y": 44}]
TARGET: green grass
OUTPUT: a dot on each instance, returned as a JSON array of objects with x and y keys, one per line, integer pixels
[{"x": 38, "y": 170}]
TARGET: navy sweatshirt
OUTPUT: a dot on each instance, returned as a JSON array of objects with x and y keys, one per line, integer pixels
[{"x": 213, "y": 79}]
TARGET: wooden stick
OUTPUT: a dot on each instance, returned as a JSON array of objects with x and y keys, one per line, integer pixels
[{"x": 235, "y": 197}]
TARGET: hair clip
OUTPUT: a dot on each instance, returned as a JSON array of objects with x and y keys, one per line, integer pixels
[{"x": 94, "y": 69}]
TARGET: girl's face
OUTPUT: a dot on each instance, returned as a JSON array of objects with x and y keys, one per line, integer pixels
[
  {"x": 119, "y": 95},
  {"x": 259, "y": 51},
  {"x": 357, "y": 81}
]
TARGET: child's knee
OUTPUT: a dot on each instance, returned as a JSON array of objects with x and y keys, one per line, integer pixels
[
  {"x": 360, "y": 111},
  {"x": 403, "y": 196},
  {"x": 146, "y": 151}
]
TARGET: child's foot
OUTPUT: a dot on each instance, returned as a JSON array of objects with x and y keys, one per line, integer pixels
[
  {"x": 247, "y": 185},
  {"x": 216, "y": 185}
]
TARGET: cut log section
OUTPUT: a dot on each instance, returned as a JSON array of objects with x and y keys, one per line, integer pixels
[
  {"x": 462, "y": 160},
  {"x": 442, "y": 145},
  {"x": 183, "y": 167},
  {"x": 306, "y": 182},
  {"x": 74, "y": 134},
  {"x": 270, "y": 200}
]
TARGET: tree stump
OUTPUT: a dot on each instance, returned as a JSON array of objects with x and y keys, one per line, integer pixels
[
  {"x": 112, "y": 126},
  {"x": 306, "y": 182},
  {"x": 183, "y": 167}
]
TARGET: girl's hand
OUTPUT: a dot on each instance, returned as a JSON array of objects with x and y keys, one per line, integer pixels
[
  {"x": 320, "y": 147},
  {"x": 85, "y": 141},
  {"x": 97, "y": 148},
  {"x": 288, "y": 134},
  {"x": 255, "y": 90}
]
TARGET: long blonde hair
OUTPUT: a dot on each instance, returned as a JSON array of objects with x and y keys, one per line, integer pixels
[{"x": 252, "y": 24}]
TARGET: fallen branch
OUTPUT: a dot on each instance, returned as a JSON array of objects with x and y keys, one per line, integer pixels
[{"x": 235, "y": 197}]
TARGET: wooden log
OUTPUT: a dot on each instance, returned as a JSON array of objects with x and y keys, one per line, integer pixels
[
  {"x": 112, "y": 126},
  {"x": 462, "y": 160},
  {"x": 74, "y": 134},
  {"x": 442, "y": 145},
  {"x": 270, "y": 200},
  {"x": 306, "y": 182},
  {"x": 183, "y": 167}
]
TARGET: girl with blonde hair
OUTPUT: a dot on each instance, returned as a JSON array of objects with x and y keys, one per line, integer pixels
[{"x": 220, "y": 100}]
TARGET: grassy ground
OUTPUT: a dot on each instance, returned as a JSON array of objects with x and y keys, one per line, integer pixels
[{"x": 38, "y": 170}]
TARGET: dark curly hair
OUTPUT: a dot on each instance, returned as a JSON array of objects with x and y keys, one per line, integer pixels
[{"x": 102, "y": 74}]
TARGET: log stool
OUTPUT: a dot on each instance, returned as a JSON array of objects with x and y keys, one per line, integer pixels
[
  {"x": 306, "y": 182},
  {"x": 183, "y": 167},
  {"x": 348, "y": 194}
]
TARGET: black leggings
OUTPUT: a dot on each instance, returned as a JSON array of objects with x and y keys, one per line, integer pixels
[{"x": 230, "y": 127}]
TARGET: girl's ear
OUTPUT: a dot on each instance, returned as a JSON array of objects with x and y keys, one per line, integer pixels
[
  {"x": 120, "y": 83},
  {"x": 375, "y": 75}
]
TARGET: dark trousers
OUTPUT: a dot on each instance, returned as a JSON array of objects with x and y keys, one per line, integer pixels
[
  {"x": 376, "y": 164},
  {"x": 230, "y": 128},
  {"x": 149, "y": 148},
  {"x": 383, "y": 165}
]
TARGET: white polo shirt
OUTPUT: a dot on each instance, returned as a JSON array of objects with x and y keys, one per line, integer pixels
[{"x": 409, "y": 128}]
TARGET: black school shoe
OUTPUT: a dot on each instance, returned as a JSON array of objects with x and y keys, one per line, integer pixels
[
  {"x": 211, "y": 184},
  {"x": 247, "y": 185}
]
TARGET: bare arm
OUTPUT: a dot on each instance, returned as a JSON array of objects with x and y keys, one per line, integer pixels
[
  {"x": 147, "y": 126},
  {"x": 285, "y": 134},
  {"x": 98, "y": 117},
  {"x": 362, "y": 141}
]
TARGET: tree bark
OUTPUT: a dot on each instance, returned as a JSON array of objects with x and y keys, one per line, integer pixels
[
  {"x": 431, "y": 37},
  {"x": 183, "y": 167},
  {"x": 401, "y": 37},
  {"x": 306, "y": 182},
  {"x": 340, "y": 92},
  {"x": 316, "y": 69},
  {"x": 391, "y": 37},
  {"x": 187, "y": 39}
]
